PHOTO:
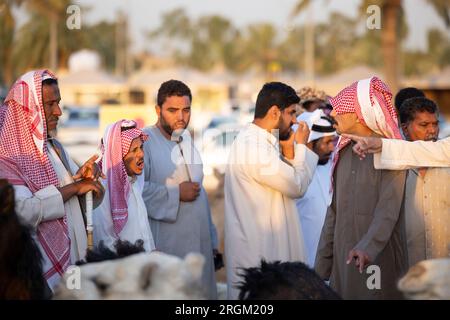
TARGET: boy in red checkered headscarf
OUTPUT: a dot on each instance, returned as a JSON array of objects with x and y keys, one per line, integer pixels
[{"x": 122, "y": 214}]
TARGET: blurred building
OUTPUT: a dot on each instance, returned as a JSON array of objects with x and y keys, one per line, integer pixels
[
  {"x": 436, "y": 87},
  {"x": 86, "y": 84}
]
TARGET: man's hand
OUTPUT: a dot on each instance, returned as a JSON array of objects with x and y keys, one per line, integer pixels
[
  {"x": 302, "y": 133},
  {"x": 82, "y": 187},
  {"x": 86, "y": 185},
  {"x": 365, "y": 145},
  {"x": 362, "y": 259},
  {"x": 89, "y": 170},
  {"x": 189, "y": 191}
]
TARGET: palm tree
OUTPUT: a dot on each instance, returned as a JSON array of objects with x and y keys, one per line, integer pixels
[
  {"x": 53, "y": 10},
  {"x": 309, "y": 37},
  {"x": 261, "y": 46},
  {"x": 46, "y": 36},
  {"x": 6, "y": 39},
  {"x": 391, "y": 13}
]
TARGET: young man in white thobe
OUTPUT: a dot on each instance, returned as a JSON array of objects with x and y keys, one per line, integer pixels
[
  {"x": 312, "y": 207},
  {"x": 177, "y": 204},
  {"x": 262, "y": 183},
  {"x": 47, "y": 183}
]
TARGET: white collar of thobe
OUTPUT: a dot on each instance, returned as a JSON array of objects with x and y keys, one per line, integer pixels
[{"x": 132, "y": 179}]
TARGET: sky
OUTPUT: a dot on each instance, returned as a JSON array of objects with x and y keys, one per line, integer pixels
[{"x": 145, "y": 15}]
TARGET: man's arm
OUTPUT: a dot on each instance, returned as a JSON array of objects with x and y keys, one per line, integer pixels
[
  {"x": 400, "y": 155},
  {"x": 44, "y": 205},
  {"x": 291, "y": 179},
  {"x": 396, "y": 154},
  {"x": 48, "y": 203},
  {"x": 89, "y": 171}
]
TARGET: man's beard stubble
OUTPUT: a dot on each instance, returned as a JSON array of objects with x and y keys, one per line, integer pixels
[
  {"x": 166, "y": 127},
  {"x": 323, "y": 161},
  {"x": 52, "y": 133},
  {"x": 285, "y": 136}
]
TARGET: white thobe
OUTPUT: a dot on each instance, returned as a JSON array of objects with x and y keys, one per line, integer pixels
[
  {"x": 137, "y": 225},
  {"x": 400, "y": 155},
  {"x": 312, "y": 209},
  {"x": 47, "y": 204},
  {"x": 261, "y": 219}
]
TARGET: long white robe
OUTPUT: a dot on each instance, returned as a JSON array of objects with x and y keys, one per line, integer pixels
[
  {"x": 312, "y": 209},
  {"x": 47, "y": 204},
  {"x": 137, "y": 226},
  {"x": 261, "y": 219},
  {"x": 178, "y": 227}
]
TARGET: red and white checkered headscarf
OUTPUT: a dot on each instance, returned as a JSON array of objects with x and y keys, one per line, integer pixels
[
  {"x": 24, "y": 160},
  {"x": 115, "y": 145},
  {"x": 371, "y": 100}
]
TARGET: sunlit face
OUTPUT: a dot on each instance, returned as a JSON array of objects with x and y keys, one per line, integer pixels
[
  {"x": 324, "y": 147},
  {"x": 134, "y": 159},
  {"x": 174, "y": 114},
  {"x": 287, "y": 119},
  {"x": 425, "y": 126},
  {"x": 345, "y": 123},
  {"x": 51, "y": 99}
]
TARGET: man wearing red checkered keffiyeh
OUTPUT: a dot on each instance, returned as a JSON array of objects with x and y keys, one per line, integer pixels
[
  {"x": 42, "y": 174},
  {"x": 364, "y": 224},
  {"x": 122, "y": 214}
]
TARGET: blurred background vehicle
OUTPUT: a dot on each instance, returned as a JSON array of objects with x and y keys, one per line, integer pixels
[{"x": 78, "y": 131}]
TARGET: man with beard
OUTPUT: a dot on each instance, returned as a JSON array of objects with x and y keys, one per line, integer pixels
[
  {"x": 48, "y": 185},
  {"x": 261, "y": 185},
  {"x": 427, "y": 213},
  {"x": 364, "y": 224},
  {"x": 177, "y": 204},
  {"x": 312, "y": 207}
]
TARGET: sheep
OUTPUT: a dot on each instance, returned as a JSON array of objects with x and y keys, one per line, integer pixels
[
  {"x": 153, "y": 275},
  {"x": 428, "y": 279}
]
